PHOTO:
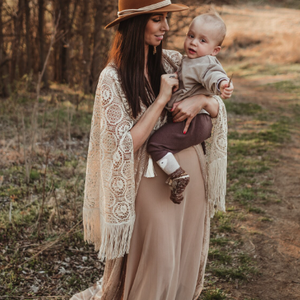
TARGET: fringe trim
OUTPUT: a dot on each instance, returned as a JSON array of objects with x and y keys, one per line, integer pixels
[
  {"x": 217, "y": 171},
  {"x": 112, "y": 240},
  {"x": 91, "y": 226},
  {"x": 150, "y": 171}
]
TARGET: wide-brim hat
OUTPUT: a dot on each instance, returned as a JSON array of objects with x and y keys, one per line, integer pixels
[{"x": 132, "y": 8}]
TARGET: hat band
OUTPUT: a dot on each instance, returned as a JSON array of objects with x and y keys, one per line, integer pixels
[{"x": 161, "y": 4}]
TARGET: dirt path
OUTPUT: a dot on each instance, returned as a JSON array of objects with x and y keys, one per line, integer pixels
[
  {"x": 276, "y": 247},
  {"x": 270, "y": 32},
  {"x": 267, "y": 36}
]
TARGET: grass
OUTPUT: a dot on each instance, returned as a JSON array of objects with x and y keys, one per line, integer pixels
[
  {"x": 249, "y": 154},
  {"x": 220, "y": 256},
  {"x": 43, "y": 249},
  {"x": 256, "y": 210},
  {"x": 265, "y": 219},
  {"x": 240, "y": 108},
  {"x": 286, "y": 86},
  {"x": 232, "y": 273},
  {"x": 214, "y": 294}
]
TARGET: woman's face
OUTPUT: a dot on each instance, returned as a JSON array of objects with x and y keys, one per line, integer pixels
[{"x": 155, "y": 29}]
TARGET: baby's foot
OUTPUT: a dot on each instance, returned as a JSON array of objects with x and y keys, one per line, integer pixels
[{"x": 178, "y": 181}]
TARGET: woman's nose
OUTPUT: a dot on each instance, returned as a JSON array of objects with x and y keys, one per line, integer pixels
[{"x": 165, "y": 25}]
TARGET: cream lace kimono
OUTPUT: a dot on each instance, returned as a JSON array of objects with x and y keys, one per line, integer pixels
[{"x": 114, "y": 171}]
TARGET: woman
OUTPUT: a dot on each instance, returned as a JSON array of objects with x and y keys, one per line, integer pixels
[{"x": 154, "y": 249}]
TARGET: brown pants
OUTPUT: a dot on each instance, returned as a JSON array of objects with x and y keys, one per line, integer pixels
[{"x": 170, "y": 137}]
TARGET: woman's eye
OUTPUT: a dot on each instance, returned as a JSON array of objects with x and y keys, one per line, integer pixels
[{"x": 156, "y": 20}]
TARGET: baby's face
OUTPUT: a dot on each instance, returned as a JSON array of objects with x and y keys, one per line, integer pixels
[{"x": 201, "y": 40}]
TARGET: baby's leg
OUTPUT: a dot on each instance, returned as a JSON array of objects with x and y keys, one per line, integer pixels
[
  {"x": 168, "y": 140},
  {"x": 170, "y": 137}
]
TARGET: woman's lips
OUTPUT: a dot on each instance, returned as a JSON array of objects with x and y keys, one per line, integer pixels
[{"x": 159, "y": 37}]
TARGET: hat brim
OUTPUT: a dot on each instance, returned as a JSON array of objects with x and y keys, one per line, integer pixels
[{"x": 168, "y": 8}]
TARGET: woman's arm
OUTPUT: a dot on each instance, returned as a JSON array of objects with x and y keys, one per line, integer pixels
[
  {"x": 142, "y": 129},
  {"x": 190, "y": 107}
]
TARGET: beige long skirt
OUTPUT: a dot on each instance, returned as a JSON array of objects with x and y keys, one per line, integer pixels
[{"x": 169, "y": 246}]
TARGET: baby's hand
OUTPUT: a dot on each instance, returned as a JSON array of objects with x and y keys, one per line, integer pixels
[{"x": 226, "y": 90}]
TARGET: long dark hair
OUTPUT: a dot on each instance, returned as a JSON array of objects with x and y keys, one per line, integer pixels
[{"x": 128, "y": 53}]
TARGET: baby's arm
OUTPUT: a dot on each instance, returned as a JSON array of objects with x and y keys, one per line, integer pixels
[{"x": 213, "y": 77}]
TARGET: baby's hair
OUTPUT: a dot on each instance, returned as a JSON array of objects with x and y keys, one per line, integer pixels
[{"x": 213, "y": 17}]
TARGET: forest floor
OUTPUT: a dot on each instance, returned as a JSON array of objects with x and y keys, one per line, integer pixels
[{"x": 255, "y": 246}]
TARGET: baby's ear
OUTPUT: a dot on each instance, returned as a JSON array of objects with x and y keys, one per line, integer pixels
[{"x": 216, "y": 50}]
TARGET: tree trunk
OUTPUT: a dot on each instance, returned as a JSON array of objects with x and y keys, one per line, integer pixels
[
  {"x": 62, "y": 64},
  {"x": 105, "y": 12},
  {"x": 42, "y": 40},
  {"x": 57, "y": 58},
  {"x": 16, "y": 63},
  {"x": 64, "y": 45},
  {"x": 86, "y": 30},
  {"x": 28, "y": 38},
  {"x": 3, "y": 61},
  {"x": 20, "y": 56}
]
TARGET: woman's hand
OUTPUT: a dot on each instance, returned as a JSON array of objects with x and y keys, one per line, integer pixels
[
  {"x": 190, "y": 107},
  {"x": 142, "y": 129},
  {"x": 168, "y": 84}
]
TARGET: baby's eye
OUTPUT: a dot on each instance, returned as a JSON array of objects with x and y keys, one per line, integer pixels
[
  {"x": 191, "y": 36},
  {"x": 203, "y": 40}
]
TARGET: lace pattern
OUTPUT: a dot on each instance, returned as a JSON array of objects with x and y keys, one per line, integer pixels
[
  {"x": 113, "y": 170},
  {"x": 217, "y": 161}
]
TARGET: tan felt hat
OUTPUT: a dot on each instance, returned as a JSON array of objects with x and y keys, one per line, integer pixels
[{"x": 131, "y": 8}]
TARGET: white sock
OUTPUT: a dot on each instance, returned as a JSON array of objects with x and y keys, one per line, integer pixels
[{"x": 168, "y": 163}]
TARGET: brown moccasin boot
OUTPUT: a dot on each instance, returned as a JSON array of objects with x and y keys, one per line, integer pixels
[{"x": 178, "y": 181}]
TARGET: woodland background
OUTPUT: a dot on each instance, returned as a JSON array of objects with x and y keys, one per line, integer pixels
[
  {"x": 80, "y": 46},
  {"x": 51, "y": 55}
]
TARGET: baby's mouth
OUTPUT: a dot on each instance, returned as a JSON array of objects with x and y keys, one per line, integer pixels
[{"x": 192, "y": 51}]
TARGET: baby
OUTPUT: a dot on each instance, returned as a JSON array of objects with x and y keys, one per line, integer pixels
[{"x": 200, "y": 73}]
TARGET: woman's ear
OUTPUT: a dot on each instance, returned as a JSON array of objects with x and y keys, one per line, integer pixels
[{"x": 216, "y": 50}]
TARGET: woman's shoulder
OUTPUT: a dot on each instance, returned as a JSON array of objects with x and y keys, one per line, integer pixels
[
  {"x": 109, "y": 82},
  {"x": 110, "y": 72},
  {"x": 172, "y": 59}
]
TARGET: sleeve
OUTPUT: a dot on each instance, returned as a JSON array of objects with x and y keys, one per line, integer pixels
[
  {"x": 210, "y": 73},
  {"x": 110, "y": 185},
  {"x": 171, "y": 60},
  {"x": 216, "y": 156}
]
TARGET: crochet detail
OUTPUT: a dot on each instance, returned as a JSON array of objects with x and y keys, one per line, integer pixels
[
  {"x": 217, "y": 161},
  {"x": 113, "y": 170}
]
